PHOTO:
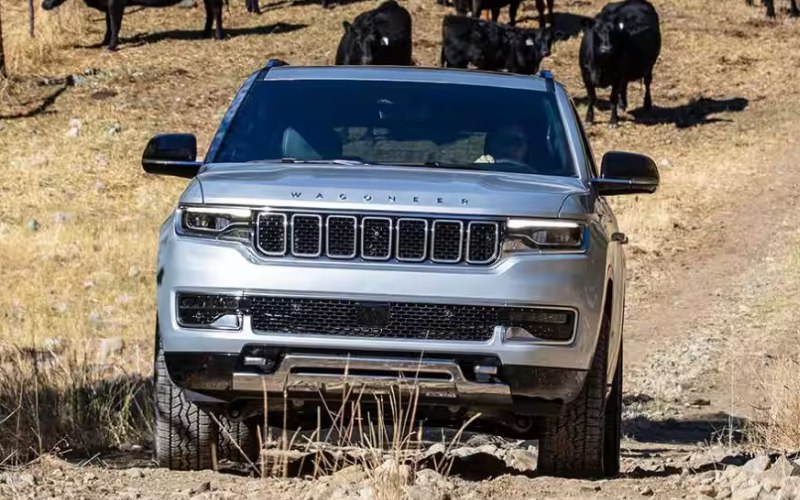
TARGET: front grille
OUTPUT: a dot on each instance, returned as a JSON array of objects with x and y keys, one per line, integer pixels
[
  {"x": 378, "y": 238},
  {"x": 402, "y": 320}
]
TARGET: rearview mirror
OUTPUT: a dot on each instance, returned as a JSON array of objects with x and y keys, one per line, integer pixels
[
  {"x": 626, "y": 173},
  {"x": 171, "y": 154}
]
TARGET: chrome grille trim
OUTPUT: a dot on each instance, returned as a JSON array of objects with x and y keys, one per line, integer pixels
[
  {"x": 460, "y": 241},
  {"x": 258, "y": 234},
  {"x": 424, "y": 239},
  {"x": 472, "y": 224},
  {"x": 388, "y": 246},
  {"x": 328, "y": 238},
  {"x": 319, "y": 239}
]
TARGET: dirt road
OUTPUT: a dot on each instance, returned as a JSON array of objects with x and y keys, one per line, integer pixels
[{"x": 698, "y": 341}]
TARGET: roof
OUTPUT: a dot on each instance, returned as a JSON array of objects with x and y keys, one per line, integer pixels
[{"x": 408, "y": 74}]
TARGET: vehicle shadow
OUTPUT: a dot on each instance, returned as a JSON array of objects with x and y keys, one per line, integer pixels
[{"x": 695, "y": 112}]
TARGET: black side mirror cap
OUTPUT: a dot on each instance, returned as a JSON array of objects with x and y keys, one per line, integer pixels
[
  {"x": 172, "y": 154},
  {"x": 626, "y": 173}
]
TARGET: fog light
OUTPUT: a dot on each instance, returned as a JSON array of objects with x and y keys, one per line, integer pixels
[
  {"x": 540, "y": 324},
  {"x": 219, "y": 312}
]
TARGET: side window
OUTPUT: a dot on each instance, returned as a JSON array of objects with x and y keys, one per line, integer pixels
[{"x": 587, "y": 150}]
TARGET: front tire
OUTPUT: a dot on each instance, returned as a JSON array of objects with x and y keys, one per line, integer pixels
[
  {"x": 573, "y": 444},
  {"x": 184, "y": 433}
]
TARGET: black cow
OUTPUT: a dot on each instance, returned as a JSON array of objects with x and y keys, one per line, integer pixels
[
  {"x": 540, "y": 10},
  {"x": 377, "y": 37},
  {"x": 252, "y": 6},
  {"x": 114, "y": 9},
  {"x": 491, "y": 46},
  {"x": 770, "y": 5},
  {"x": 620, "y": 45}
]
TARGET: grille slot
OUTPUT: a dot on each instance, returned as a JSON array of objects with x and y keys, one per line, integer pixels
[
  {"x": 447, "y": 241},
  {"x": 306, "y": 235},
  {"x": 406, "y": 320},
  {"x": 376, "y": 238},
  {"x": 271, "y": 237},
  {"x": 342, "y": 240},
  {"x": 482, "y": 242},
  {"x": 412, "y": 239}
]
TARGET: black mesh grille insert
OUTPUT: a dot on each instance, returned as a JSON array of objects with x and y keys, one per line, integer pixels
[
  {"x": 412, "y": 237},
  {"x": 341, "y": 236},
  {"x": 377, "y": 238},
  {"x": 406, "y": 320},
  {"x": 272, "y": 234},
  {"x": 306, "y": 235},
  {"x": 203, "y": 310},
  {"x": 446, "y": 241},
  {"x": 482, "y": 242}
]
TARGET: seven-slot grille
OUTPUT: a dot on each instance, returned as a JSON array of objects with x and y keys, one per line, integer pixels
[{"x": 378, "y": 238}]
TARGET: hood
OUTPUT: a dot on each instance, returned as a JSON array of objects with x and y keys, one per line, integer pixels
[{"x": 380, "y": 188}]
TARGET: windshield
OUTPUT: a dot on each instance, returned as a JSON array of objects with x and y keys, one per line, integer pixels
[{"x": 400, "y": 123}]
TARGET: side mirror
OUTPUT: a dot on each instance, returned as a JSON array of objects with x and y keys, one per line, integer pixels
[
  {"x": 171, "y": 154},
  {"x": 626, "y": 173}
]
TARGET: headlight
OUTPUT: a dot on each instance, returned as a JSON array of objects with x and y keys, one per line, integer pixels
[
  {"x": 542, "y": 234},
  {"x": 221, "y": 223}
]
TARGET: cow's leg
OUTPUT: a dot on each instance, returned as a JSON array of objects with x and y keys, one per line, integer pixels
[
  {"x": 219, "y": 33},
  {"x": 648, "y": 99},
  {"x": 550, "y": 12},
  {"x": 512, "y": 13},
  {"x": 770, "y": 7},
  {"x": 793, "y": 10},
  {"x": 540, "y": 10},
  {"x": 477, "y": 7},
  {"x": 592, "y": 97},
  {"x": 748, "y": 2},
  {"x": 615, "y": 90},
  {"x": 623, "y": 97},
  {"x": 107, "y": 36},
  {"x": 209, "y": 18},
  {"x": 115, "y": 10}
]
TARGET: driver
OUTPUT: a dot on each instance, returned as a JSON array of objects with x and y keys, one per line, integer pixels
[{"x": 508, "y": 145}]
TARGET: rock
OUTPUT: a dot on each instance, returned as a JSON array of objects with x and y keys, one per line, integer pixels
[
  {"x": 61, "y": 217},
  {"x": 750, "y": 493},
  {"x": 591, "y": 487},
  {"x": 134, "y": 473},
  {"x": 701, "y": 402},
  {"x": 99, "y": 186},
  {"x": 427, "y": 477},
  {"x": 74, "y": 123},
  {"x": 60, "y": 307},
  {"x": 349, "y": 475},
  {"x": 109, "y": 347},
  {"x": 88, "y": 284},
  {"x": 27, "y": 479},
  {"x": 758, "y": 464},
  {"x": 708, "y": 490},
  {"x": 784, "y": 468},
  {"x": 392, "y": 471},
  {"x": 114, "y": 129},
  {"x": 646, "y": 491},
  {"x": 133, "y": 272},
  {"x": 436, "y": 448},
  {"x": 89, "y": 477},
  {"x": 664, "y": 163},
  {"x": 94, "y": 318},
  {"x": 201, "y": 488},
  {"x": 522, "y": 460},
  {"x": 32, "y": 225}
]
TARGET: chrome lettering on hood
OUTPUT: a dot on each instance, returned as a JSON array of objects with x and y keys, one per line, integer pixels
[{"x": 367, "y": 198}]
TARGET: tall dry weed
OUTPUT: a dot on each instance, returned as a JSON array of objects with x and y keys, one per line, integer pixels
[{"x": 60, "y": 399}]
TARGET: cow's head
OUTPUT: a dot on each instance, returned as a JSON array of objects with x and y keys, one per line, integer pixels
[
  {"x": 604, "y": 33},
  {"x": 51, "y": 4},
  {"x": 531, "y": 46},
  {"x": 365, "y": 44}
]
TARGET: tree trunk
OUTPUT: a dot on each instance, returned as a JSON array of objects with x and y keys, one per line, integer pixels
[
  {"x": 30, "y": 18},
  {"x": 2, "y": 52}
]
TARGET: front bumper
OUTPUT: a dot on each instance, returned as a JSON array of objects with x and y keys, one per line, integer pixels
[{"x": 552, "y": 371}]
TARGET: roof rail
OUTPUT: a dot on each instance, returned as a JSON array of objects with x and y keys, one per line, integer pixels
[
  {"x": 272, "y": 63},
  {"x": 548, "y": 76}
]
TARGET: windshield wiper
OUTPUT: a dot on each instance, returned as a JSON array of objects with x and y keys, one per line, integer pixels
[{"x": 335, "y": 161}]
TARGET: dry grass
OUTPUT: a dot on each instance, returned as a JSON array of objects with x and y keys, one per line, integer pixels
[{"x": 87, "y": 272}]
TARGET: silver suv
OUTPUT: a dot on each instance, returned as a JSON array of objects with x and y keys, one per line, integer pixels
[{"x": 378, "y": 226}]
